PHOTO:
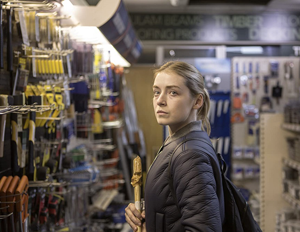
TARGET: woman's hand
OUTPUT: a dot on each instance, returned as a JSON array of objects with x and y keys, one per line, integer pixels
[{"x": 134, "y": 217}]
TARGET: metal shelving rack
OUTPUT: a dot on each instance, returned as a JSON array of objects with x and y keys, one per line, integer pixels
[{"x": 273, "y": 149}]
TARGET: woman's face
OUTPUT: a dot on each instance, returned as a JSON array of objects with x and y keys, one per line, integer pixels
[{"x": 172, "y": 101}]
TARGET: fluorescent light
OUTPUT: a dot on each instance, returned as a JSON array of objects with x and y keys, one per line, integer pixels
[
  {"x": 246, "y": 50},
  {"x": 252, "y": 50},
  {"x": 94, "y": 36}
]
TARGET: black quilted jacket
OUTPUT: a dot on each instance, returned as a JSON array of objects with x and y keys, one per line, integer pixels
[{"x": 197, "y": 184}]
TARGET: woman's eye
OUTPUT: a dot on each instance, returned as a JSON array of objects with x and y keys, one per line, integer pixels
[
  {"x": 156, "y": 93},
  {"x": 173, "y": 93}
]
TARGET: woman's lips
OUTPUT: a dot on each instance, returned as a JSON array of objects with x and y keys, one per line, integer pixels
[{"x": 161, "y": 112}]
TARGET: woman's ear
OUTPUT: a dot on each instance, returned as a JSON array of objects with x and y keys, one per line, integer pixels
[{"x": 199, "y": 102}]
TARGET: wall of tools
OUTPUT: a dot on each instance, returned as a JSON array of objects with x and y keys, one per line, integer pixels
[
  {"x": 65, "y": 147},
  {"x": 259, "y": 85}
]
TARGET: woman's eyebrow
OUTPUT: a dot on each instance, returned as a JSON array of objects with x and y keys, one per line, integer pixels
[
  {"x": 168, "y": 86},
  {"x": 172, "y": 86}
]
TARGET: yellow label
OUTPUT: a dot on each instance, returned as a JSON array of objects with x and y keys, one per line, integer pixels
[
  {"x": 46, "y": 66},
  {"x": 43, "y": 66},
  {"x": 31, "y": 131},
  {"x": 28, "y": 91},
  {"x": 41, "y": 89},
  {"x": 53, "y": 66},
  {"x": 35, "y": 90},
  {"x": 50, "y": 66},
  {"x": 57, "y": 89},
  {"x": 37, "y": 68},
  {"x": 39, "y": 65},
  {"x": 61, "y": 67},
  {"x": 57, "y": 66},
  {"x": 38, "y": 160},
  {"x": 22, "y": 62}
]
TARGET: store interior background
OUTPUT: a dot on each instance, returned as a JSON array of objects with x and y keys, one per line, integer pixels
[
  {"x": 246, "y": 50},
  {"x": 263, "y": 176}
]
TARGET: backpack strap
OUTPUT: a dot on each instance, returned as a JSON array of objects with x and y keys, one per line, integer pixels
[{"x": 222, "y": 163}]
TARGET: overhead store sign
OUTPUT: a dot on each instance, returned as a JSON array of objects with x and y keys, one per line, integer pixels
[{"x": 218, "y": 28}]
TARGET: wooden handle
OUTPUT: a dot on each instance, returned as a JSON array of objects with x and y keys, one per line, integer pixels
[
  {"x": 11, "y": 192},
  {"x": 23, "y": 186},
  {"x": 137, "y": 202},
  {"x": 3, "y": 194}
]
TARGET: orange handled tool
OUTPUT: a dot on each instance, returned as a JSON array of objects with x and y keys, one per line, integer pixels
[
  {"x": 22, "y": 201},
  {"x": 2, "y": 181},
  {"x": 10, "y": 197},
  {"x": 3, "y": 199}
]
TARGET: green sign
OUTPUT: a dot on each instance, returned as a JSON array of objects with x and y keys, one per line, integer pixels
[{"x": 273, "y": 28}]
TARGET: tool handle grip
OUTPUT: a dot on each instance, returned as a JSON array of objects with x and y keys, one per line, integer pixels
[
  {"x": 3, "y": 193},
  {"x": 22, "y": 187},
  {"x": 11, "y": 192}
]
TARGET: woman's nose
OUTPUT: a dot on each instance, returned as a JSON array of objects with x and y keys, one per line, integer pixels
[{"x": 161, "y": 100}]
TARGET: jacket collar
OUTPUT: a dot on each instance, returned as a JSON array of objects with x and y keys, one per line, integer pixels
[{"x": 192, "y": 126}]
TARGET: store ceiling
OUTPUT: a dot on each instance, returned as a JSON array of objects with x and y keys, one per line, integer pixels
[{"x": 212, "y": 6}]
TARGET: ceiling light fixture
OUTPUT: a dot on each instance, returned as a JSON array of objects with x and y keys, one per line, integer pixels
[{"x": 179, "y": 2}]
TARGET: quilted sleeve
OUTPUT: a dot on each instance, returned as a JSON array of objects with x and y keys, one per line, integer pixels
[{"x": 195, "y": 188}]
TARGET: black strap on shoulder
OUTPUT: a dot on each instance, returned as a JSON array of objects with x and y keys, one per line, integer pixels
[{"x": 222, "y": 163}]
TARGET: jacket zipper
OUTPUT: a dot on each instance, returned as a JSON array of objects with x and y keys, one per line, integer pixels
[{"x": 160, "y": 149}]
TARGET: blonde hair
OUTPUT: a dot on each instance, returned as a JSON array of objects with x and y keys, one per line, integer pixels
[{"x": 195, "y": 82}]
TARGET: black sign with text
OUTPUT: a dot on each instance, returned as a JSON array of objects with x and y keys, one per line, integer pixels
[{"x": 282, "y": 28}]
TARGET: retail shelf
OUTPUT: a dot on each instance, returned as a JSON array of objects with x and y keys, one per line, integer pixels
[
  {"x": 109, "y": 94},
  {"x": 243, "y": 179},
  {"x": 256, "y": 196},
  {"x": 257, "y": 160},
  {"x": 291, "y": 163},
  {"x": 292, "y": 201},
  {"x": 98, "y": 104},
  {"x": 112, "y": 124},
  {"x": 291, "y": 127},
  {"x": 106, "y": 147},
  {"x": 106, "y": 161}
]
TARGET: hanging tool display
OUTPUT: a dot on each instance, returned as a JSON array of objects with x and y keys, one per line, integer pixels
[
  {"x": 257, "y": 76},
  {"x": 277, "y": 92},
  {"x": 31, "y": 137},
  {"x": 39, "y": 145},
  {"x": 244, "y": 77},
  {"x": 237, "y": 77},
  {"x": 250, "y": 77},
  {"x": 266, "y": 84},
  {"x": 289, "y": 78}
]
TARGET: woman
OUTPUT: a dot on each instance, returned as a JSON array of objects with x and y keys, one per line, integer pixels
[{"x": 183, "y": 190}]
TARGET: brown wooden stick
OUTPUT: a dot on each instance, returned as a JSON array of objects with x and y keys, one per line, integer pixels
[{"x": 136, "y": 182}]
